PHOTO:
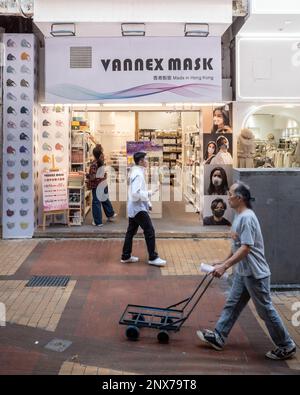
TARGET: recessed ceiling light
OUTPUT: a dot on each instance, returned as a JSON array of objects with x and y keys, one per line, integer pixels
[{"x": 288, "y": 22}]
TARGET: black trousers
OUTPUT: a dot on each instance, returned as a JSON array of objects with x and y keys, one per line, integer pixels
[{"x": 143, "y": 220}]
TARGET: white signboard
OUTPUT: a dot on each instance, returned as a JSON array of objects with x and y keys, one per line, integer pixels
[
  {"x": 131, "y": 69},
  {"x": 55, "y": 191}
]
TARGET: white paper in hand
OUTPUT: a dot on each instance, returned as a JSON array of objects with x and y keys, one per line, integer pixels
[{"x": 205, "y": 268}]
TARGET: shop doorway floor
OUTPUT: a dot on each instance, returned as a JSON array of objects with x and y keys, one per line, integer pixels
[{"x": 175, "y": 223}]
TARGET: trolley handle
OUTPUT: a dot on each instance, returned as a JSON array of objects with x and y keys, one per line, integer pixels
[{"x": 188, "y": 300}]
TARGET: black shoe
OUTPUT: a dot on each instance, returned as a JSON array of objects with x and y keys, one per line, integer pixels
[
  {"x": 210, "y": 337},
  {"x": 281, "y": 354}
]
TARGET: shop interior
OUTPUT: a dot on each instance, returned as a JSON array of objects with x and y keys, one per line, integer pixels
[
  {"x": 275, "y": 138},
  {"x": 179, "y": 135}
]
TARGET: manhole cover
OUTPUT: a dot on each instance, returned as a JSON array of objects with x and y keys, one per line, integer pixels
[{"x": 58, "y": 345}]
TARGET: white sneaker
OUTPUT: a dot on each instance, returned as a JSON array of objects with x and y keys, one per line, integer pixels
[
  {"x": 99, "y": 226},
  {"x": 112, "y": 219},
  {"x": 132, "y": 259},
  {"x": 158, "y": 262}
]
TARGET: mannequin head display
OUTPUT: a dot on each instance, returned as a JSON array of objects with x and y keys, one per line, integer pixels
[
  {"x": 218, "y": 184},
  {"x": 210, "y": 152},
  {"x": 218, "y": 208},
  {"x": 246, "y": 148},
  {"x": 221, "y": 122},
  {"x": 223, "y": 157}
]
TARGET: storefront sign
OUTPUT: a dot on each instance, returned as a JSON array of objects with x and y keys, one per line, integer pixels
[
  {"x": 55, "y": 192},
  {"x": 144, "y": 69}
]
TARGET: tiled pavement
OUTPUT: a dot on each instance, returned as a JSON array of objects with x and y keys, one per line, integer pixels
[
  {"x": 13, "y": 254},
  {"x": 87, "y": 312},
  {"x": 37, "y": 307},
  {"x": 76, "y": 369}
]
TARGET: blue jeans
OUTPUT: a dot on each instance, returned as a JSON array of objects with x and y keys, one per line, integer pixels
[
  {"x": 244, "y": 288},
  {"x": 96, "y": 208}
]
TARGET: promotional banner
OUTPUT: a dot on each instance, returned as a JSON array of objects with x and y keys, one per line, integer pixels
[
  {"x": 131, "y": 69},
  {"x": 55, "y": 191},
  {"x": 18, "y": 135}
]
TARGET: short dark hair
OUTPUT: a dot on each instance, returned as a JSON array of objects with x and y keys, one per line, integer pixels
[
  {"x": 138, "y": 156},
  {"x": 243, "y": 191},
  {"x": 215, "y": 202},
  {"x": 98, "y": 154}
]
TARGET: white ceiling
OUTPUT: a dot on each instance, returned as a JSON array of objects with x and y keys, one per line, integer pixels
[
  {"x": 284, "y": 111},
  {"x": 272, "y": 24},
  {"x": 103, "y": 18}
]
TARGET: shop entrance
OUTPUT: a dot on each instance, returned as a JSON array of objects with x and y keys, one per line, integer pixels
[{"x": 175, "y": 162}]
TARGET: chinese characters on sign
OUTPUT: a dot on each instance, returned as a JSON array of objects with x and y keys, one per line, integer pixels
[{"x": 55, "y": 192}]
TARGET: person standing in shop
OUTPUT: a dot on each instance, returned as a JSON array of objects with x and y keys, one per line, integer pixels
[
  {"x": 251, "y": 280},
  {"x": 138, "y": 213},
  {"x": 96, "y": 176}
]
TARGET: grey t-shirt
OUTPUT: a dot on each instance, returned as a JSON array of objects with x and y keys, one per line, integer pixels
[{"x": 246, "y": 230}]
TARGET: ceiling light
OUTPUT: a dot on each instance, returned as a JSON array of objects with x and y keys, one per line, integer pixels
[
  {"x": 133, "y": 29},
  {"x": 132, "y": 105},
  {"x": 196, "y": 29},
  {"x": 62, "y": 29}
]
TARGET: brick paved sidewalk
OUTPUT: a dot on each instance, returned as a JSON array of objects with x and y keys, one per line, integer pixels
[{"x": 86, "y": 312}]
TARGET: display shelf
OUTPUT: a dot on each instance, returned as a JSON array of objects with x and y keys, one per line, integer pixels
[
  {"x": 81, "y": 146},
  {"x": 191, "y": 160}
]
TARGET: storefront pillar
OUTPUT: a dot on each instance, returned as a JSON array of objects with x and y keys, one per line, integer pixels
[{"x": 277, "y": 196}]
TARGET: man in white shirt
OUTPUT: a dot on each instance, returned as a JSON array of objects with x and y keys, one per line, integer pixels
[{"x": 138, "y": 212}]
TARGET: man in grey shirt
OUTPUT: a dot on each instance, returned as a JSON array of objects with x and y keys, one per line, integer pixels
[{"x": 251, "y": 280}]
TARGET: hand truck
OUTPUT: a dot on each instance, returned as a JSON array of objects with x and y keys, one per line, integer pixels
[{"x": 164, "y": 320}]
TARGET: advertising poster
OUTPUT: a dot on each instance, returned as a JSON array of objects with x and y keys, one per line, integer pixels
[
  {"x": 18, "y": 135},
  {"x": 217, "y": 163},
  {"x": 55, "y": 191}
]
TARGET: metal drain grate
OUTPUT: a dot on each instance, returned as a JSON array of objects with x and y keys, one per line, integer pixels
[{"x": 48, "y": 281}]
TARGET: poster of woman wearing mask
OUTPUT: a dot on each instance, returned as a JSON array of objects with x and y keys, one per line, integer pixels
[
  {"x": 217, "y": 164},
  {"x": 218, "y": 151},
  {"x": 221, "y": 121},
  {"x": 217, "y": 180}
]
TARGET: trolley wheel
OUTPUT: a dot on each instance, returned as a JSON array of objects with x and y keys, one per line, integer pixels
[
  {"x": 163, "y": 337},
  {"x": 132, "y": 332},
  {"x": 135, "y": 316}
]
